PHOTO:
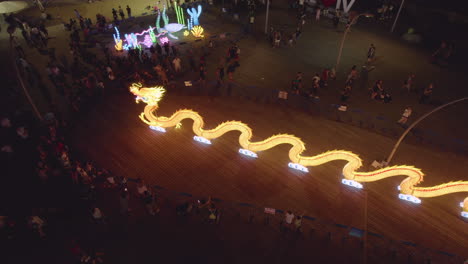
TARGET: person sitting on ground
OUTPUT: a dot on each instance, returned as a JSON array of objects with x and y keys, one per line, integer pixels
[{"x": 406, "y": 114}]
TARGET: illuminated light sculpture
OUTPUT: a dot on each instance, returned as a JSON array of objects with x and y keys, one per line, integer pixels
[
  {"x": 408, "y": 189},
  {"x": 118, "y": 41},
  {"x": 168, "y": 28},
  {"x": 132, "y": 41},
  {"x": 202, "y": 140},
  {"x": 195, "y": 14},
  {"x": 180, "y": 13},
  {"x": 352, "y": 183},
  {"x": 247, "y": 152},
  {"x": 153, "y": 37},
  {"x": 197, "y": 31},
  {"x": 147, "y": 41},
  {"x": 189, "y": 23},
  {"x": 164, "y": 40},
  {"x": 186, "y": 33}
]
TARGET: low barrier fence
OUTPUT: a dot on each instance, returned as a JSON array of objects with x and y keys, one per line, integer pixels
[
  {"x": 353, "y": 116},
  {"x": 348, "y": 239}
]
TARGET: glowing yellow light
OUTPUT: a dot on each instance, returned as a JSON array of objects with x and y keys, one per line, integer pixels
[
  {"x": 118, "y": 44},
  {"x": 197, "y": 31},
  {"x": 186, "y": 33},
  {"x": 179, "y": 125},
  {"x": 152, "y": 96}
]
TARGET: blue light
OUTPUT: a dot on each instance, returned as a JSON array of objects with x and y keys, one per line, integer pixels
[
  {"x": 248, "y": 153},
  {"x": 159, "y": 129},
  {"x": 352, "y": 183},
  {"x": 202, "y": 140},
  {"x": 409, "y": 198},
  {"x": 464, "y": 214},
  {"x": 298, "y": 167}
]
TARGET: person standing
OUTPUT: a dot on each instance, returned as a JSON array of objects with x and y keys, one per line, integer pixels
[
  {"x": 176, "y": 63},
  {"x": 124, "y": 196},
  {"x": 371, "y": 53},
  {"x": 317, "y": 14},
  {"x": 288, "y": 219},
  {"x": 121, "y": 13},
  {"x": 220, "y": 74},
  {"x": 408, "y": 83},
  {"x": 114, "y": 14},
  {"x": 426, "y": 94},
  {"x": 336, "y": 19},
  {"x": 129, "y": 11},
  {"x": 202, "y": 75},
  {"x": 77, "y": 14},
  {"x": 406, "y": 114}
]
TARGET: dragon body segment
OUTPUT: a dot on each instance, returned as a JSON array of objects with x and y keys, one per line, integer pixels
[{"x": 414, "y": 176}]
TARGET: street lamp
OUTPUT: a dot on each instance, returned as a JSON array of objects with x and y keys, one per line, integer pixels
[
  {"x": 348, "y": 28},
  {"x": 389, "y": 159}
]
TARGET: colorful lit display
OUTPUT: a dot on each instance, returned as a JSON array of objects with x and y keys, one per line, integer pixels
[
  {"x": 164, "y": 40},
  {"x": 148, "y": 37},
  {"x": 168, "y": 28},
  {"x": 408, "y": 190},
  {"x": 118, "y": 41},
  {"x": 180, "y": 13},
  {"x": 194, "y": 15},
  {"x": 197, "y": 31}
]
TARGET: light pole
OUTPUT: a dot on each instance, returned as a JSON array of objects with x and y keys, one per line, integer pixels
[
  {"x": 389, "y": 159},
  {"x": 397, "y": 15},
  {"x": 344, "y": 37},
  {"x": 266, "y": 18}
]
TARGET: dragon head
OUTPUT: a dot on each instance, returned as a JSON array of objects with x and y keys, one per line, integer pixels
[{"x": 150, "y": 96}]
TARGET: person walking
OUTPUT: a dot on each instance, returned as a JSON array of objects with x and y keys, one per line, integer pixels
[
  {"x": 296, "y": 85},
  {"x": 371, "y": 53},
  {"x": 129, "y": 11},
  {"x": 406, "y": 114},
  {"x": 317, "y": 14}
]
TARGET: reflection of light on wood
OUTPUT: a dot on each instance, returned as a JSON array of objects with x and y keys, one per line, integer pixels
[
  {"x": 197, "y": 31},
  {"x": 414, "y": 176}
]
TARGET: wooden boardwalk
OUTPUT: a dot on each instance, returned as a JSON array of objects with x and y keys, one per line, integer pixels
[{"x": 113, "y": 136}]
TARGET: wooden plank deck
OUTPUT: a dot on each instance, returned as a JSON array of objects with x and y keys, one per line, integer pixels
[{"x": 113, "y": 136}]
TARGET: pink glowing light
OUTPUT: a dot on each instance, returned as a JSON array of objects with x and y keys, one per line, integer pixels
[{"x": 164, "y": 40}]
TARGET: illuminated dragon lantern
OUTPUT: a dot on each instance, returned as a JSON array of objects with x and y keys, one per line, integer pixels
[{"x": 408, "y": 190}]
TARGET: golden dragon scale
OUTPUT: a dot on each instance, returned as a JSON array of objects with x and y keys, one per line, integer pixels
[{"x": 152, "y": 96}]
